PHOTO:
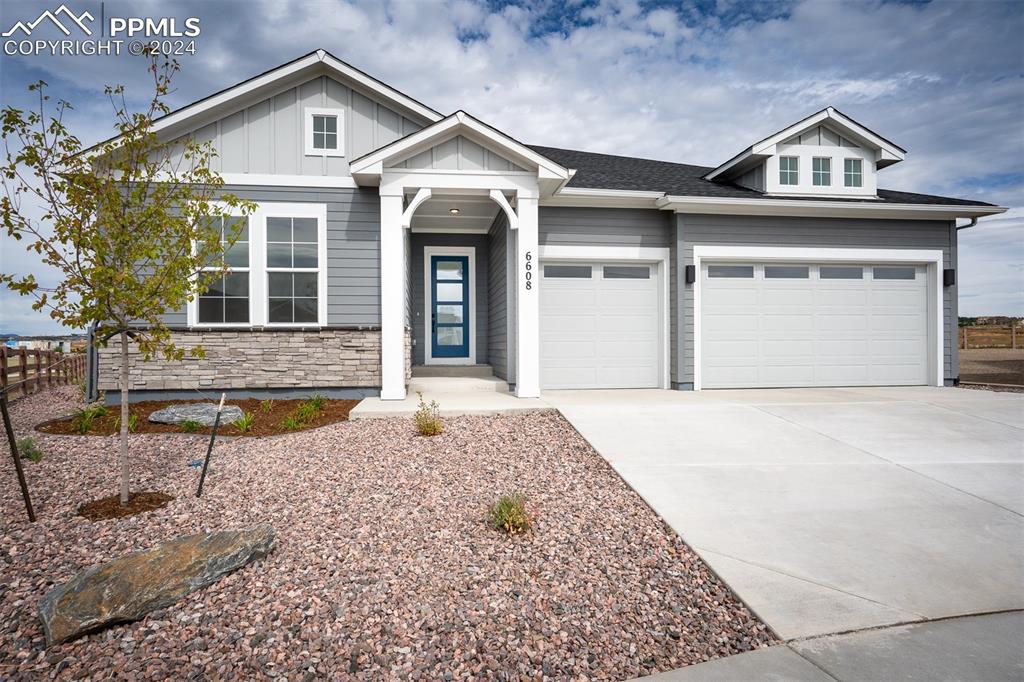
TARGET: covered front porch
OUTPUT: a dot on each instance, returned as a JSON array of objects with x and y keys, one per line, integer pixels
[{"x": 459, "y": 249}]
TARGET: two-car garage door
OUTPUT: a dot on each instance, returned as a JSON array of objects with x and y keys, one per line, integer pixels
[{"x": 806, "y": 324}]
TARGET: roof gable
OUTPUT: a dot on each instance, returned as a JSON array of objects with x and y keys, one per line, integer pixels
[
  {"x": 459, "y": 124},
  {"x": 829, "y": 118}
]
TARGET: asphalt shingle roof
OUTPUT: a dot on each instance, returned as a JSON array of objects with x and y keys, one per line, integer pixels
[{"x": 607, "y": 171}]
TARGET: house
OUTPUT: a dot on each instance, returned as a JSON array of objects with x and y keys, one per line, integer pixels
[{"x": 389, "y": 236}]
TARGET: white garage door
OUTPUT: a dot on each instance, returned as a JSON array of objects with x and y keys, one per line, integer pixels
[
  {"x": 775, "y": 325},
  {"x": 599, "y": 325}
]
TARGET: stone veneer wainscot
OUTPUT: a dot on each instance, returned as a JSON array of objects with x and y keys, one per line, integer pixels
[{"x": 257, "y": 359}]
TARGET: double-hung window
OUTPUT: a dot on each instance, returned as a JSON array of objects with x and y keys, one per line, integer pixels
[
  {"x": 853, "y": 173},
  {"x": 293, "y": 267},
  {"x": 821, "y": 171},
  {"x": 227, "y": 299}
]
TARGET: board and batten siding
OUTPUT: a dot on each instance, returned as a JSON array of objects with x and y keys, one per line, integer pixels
[
  {"x": 498, "y": 296},
  {"x": 459, "y": 153},
  {"x": 268, "y": 137},
  {"x": 695, "y": 229},
  {"x": 353, "y": 249},
  {"x": 480, "y": 285}
]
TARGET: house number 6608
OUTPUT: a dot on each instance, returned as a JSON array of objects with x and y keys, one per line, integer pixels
[{"x": 529, "y": 271}]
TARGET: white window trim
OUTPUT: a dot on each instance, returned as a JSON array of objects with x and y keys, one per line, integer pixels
[
  {"x": 428, "y": 296},
  {"x": 932, "y": 259},
  {"x": 258, "y": 303},
  {"x": 310, "y": 112},
  {"x": 657, "y": 256}
]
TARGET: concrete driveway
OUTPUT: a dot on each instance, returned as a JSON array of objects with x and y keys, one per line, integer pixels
[{"x": 830, "y": 510}]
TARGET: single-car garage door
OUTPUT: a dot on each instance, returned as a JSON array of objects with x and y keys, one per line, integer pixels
[
  {"x": 600, "y": 325},
  {"x": 801, "y": 324}
]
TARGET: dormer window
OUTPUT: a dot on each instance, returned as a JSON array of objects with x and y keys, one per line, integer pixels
[
  {"x": 853, "y": 175},
  {"x": 789, "y": 170},
  {"x": 325, "y": 132},
  {"x": 821, "y": 171}
]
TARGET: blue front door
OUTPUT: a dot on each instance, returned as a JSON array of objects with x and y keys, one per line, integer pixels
[{"x": 449, "y": 312}]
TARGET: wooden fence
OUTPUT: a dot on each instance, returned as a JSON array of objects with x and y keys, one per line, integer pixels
[
  {"x": 991, "y": 336},
  {"x": 30, "y": 370}
]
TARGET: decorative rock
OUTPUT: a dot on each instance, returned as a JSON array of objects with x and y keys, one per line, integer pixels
[
  {"x": 129, "y": 587},
  {"x": 201, "y": 413}
]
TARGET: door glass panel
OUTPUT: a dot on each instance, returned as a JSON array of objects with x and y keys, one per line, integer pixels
[
  {"x": 841, "y": 272},
  {"x": 449, "y": 336},
  {"x": 627, "y": 272},
  {"x": 449, "y": 270},
  {"x": 902, "y": 272},
  {"x": 451, "y": 292},
  {"x": 785, "y": 272},
  {"x": 449, "y": 314},
  {"x": 731, "y": 271}
]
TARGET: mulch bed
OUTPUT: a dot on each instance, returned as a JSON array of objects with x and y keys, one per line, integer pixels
[
  {"x": 385, "y": 565},
  {"x": 111, "y": 507},
  {"x": 267, "y": 422}
]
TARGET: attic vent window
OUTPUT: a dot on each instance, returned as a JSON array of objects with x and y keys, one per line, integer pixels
[
  {"x": 325, "y": 132},
  {"x": 821, "y": 171}
]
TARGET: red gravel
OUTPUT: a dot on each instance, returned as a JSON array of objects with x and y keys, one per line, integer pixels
[{"x": 385, "y": 567}]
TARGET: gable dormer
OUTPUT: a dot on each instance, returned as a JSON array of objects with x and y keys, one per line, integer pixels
[{"x": 827, "y": 154}]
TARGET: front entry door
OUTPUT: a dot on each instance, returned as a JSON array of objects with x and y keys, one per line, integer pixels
[{"x": 449, "y": 310}]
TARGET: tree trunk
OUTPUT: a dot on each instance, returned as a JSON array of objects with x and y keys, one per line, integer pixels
[{"x": 124, "y": 417}]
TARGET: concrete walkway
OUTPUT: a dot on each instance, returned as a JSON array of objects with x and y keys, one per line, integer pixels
[
  {"x": 969, "y": 649},
  {"x": 831, "y": 510},
  {"x": 454, "y": 395}
]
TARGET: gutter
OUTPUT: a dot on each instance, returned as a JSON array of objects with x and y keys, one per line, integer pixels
[{"x": 974, "y": 221}]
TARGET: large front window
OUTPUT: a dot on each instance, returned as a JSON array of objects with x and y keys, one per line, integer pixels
[
  {"x": 227, "y": 299},
  {"x": 277, "y": 273}
]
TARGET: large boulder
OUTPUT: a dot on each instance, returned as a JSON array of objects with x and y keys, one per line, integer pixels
[
  {"x": 201, "y": 413},
  {"x": 128, "y": 588}
]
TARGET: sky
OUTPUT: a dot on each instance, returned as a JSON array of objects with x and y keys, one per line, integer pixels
[{"x": 692, "y": 82}]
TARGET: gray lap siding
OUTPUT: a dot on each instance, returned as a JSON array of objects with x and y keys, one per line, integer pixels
[{"x": 694, "y": 229}]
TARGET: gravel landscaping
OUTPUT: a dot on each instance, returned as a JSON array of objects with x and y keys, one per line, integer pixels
[{"x": 385, "y": 565}]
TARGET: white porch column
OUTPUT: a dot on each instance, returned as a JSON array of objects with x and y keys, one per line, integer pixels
[
  {"x": 527, "y": 305},
  {"x": 393, "y": 274}
]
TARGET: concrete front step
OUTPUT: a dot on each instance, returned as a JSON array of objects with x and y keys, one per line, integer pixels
[
  {"x": 482, "y": 371},
  {"x": 458, "y": 384}
]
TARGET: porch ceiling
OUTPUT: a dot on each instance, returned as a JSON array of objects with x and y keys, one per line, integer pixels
[{"x": 475, "y": 214}]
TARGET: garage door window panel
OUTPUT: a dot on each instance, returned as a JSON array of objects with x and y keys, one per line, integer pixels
[
  {"x": 627, "y": 272},
  {"x": 786, "y": 272},
  {"x": 840, "y": 272},
  {"x": 567, "y": 271},
  {"x": 900, "y": 272},
  {"x": 731, "y": 271}
]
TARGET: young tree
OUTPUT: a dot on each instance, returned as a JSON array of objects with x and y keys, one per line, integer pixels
[{"x": 135, "y": 226}]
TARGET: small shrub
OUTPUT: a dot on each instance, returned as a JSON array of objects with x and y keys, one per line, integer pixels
[
  {"x": 427, "y": 418},
  {"x": 190, "y": 426},
  {"x": 87, "y": 416},
  {"x": 510, "y": 514},
  {"x": 133, "y": 423},
  {"x": 306, "y": 412},
  {"x": 317, "y": 401},
  {"x": 267, "y": 405},
  {"x": 28, "y": 449},
  {"x": 245, "y": 422},
  {"x": 290, "y": 423}
]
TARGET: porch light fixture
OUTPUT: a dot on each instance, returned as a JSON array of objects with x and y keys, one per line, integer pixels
[{"x": 453, "y": 211}]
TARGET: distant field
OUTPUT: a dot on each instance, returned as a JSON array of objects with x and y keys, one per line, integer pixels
[
  {"x": 990, "y": 337},
  {"x": 992, "y": 366}
]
